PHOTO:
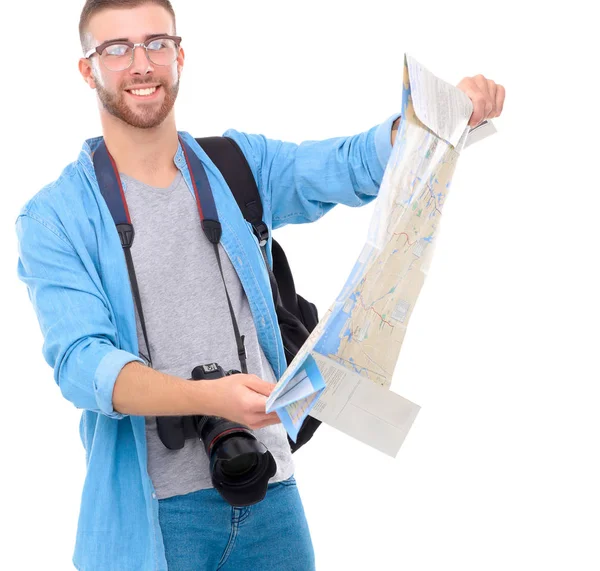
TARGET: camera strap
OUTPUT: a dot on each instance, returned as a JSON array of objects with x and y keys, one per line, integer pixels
[{"x": 111, "y": 188}]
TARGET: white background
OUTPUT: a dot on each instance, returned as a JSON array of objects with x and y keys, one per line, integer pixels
[{"x": 500, "y": 470}]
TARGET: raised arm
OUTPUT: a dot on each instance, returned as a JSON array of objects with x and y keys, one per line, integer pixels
[{"x": 300, "y": 183}]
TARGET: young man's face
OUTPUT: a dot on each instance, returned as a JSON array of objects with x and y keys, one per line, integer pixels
[{"x": 114, "y": 88}]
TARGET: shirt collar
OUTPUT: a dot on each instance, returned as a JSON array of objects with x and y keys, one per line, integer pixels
[{"x": 90, "y": 145}]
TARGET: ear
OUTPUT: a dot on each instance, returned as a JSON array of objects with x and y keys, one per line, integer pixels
[
  {"x": 85, "y": 68},
  {"x": 180, "y": 60}
]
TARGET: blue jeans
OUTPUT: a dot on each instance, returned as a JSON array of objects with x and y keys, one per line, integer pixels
[{"x": 202, "y": 532}]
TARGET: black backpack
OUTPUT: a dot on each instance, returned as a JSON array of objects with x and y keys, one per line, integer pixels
[{"x": 297, "y": 317}]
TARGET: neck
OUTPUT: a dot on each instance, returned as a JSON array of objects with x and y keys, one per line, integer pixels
[{"x": 144, "y": 154}]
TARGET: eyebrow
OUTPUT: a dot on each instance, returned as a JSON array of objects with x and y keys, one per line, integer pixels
[{"x": 146, "y": 38}]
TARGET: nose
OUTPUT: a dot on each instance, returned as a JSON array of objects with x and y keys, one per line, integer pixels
[{"x": 141, "y": 64}]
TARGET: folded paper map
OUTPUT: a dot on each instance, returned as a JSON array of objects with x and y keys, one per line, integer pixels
[{"x": 343, "y": 372}]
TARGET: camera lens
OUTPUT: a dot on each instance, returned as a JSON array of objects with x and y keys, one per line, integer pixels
[
  {"x": 241, "y": 468},
  {"x": 240, "y": 465}
]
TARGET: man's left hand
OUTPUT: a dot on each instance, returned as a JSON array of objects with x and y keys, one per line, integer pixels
[{"x": 486, "y": 95}]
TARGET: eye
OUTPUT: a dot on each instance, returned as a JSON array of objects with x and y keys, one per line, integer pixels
[
  {"x": 159, "y": 44},
  {"x": 116, "y": 50}
]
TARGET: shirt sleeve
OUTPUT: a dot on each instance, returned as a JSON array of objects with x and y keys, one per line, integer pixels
[
  {"x": 80, "y": 340},
  {"x": 299, "y": 183}
]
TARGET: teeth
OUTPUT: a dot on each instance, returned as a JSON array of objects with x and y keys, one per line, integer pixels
[{"x": 148, "y": 91}]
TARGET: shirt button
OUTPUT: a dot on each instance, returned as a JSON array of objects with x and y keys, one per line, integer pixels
[{"x": 153, "y": 495}]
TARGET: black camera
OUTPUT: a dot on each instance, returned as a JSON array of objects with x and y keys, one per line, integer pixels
[{"x": 240, "y": 465}]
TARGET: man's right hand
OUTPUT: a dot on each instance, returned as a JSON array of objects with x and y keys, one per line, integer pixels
[
  {"x": 242, "y": 398},
  {"x": 140, "y": 390}
]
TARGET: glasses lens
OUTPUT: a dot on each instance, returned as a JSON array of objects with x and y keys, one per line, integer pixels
[
  {"x": 116, "y": 57},
  {"x": 162, "y": 51}
]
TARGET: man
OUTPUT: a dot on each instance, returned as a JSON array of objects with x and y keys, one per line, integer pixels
[{"x": 145, "y": 506}]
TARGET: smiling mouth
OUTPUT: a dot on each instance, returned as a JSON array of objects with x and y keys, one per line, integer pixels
[{"x": 144, "y": 92}]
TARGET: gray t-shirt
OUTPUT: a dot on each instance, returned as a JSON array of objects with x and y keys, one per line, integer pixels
[{"x": 188, "y": 321}]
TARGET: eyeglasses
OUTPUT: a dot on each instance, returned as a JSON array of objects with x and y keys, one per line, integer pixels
[{"x": 117, "y": 55}]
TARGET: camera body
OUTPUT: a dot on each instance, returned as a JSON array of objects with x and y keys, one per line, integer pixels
[
  {"x": 240, "y": 465},
  {"x": 211, "y": 371}
]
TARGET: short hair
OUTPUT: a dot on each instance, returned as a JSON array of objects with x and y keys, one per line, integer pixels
[{"x": 92, "y": 7}]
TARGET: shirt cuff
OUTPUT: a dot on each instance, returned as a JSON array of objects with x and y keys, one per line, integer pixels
[
  {"x": 383, "y": 140},
  {"x": 106, "y": 375}
]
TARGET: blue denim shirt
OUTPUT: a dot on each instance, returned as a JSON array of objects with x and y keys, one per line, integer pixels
[{"x": 71, "y": 259}]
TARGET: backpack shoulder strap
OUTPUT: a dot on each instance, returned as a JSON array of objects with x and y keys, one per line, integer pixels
[
  {"x": 227, "y": 156},
  {"x": 296, "y": 314}
]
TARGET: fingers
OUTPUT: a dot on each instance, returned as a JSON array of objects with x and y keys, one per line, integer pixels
[
  {"x": 259, "y": 402},
  {"x": 486, "y": 96},
  {"x": 478, "y": 99},
  {"x": 500, "y": 95},
  {"x": 488, "y": 102},
  {"x": 261, "y": 387},
  {"x": 265, "y": 420},
  {"x": 270, "y": 419}
]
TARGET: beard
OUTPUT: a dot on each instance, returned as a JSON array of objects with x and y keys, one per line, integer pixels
[{"x": 146, "y": 116}]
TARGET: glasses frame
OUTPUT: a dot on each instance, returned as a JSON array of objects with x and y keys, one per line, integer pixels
[{"x": 99, "y": 49}]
